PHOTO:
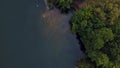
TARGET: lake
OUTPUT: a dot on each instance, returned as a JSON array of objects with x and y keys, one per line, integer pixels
[{"x": 34, "y": 37}]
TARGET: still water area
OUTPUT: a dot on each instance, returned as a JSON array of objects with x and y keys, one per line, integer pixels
[{"x": 35, "y": 37}]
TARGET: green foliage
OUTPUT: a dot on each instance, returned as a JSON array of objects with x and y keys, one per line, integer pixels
[
  {"x": 74, "y": 28},
  {"x": 100, "y": 58},
  {"x": 98, "y": 25},
  {"x": 63, "y": 5},
  {"x": 51, "y": 3},
  {"x": 85, "y": 63},
  {"x": 106, "y": 34}
]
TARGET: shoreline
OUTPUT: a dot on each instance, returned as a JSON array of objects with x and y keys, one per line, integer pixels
[
  {"x": 46, "y": 4},
  {"x": 57, "y": 12},
  {"x": 54, "y": 27}
]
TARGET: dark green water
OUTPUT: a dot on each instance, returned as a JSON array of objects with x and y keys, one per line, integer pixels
[{"x": 28, "y": 41}]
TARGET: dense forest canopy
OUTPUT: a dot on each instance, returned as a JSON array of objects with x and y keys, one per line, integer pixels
[{"x": 98, "y": 27}]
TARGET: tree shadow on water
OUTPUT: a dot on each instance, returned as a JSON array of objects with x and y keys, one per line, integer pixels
[{"x": 82, "y": 47}]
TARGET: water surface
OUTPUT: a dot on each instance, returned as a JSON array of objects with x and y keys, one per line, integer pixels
[{"x": 34, "y": 37}]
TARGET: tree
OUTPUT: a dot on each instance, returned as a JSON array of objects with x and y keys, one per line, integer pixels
[
  {"x": 98, "y": 27},
  {"x": 64, "y": 5},
  {"x": 99, "y": 58}
]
